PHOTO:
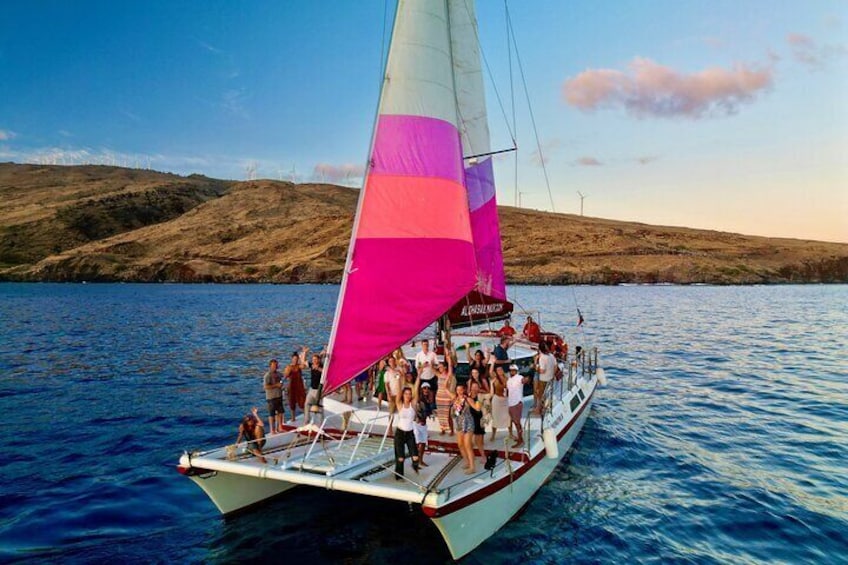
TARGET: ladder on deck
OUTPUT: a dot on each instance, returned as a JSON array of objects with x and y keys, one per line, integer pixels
[{"x": 338, "y": 457}]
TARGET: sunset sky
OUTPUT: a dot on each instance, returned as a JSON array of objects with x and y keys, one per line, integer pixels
[{"x": 721, "y": 115}]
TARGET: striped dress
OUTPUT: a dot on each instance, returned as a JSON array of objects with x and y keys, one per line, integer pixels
[{"x": 443, "y": 402}]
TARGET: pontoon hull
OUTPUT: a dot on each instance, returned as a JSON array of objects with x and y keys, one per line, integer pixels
[
  {"x": 474, "y": 521},
  {"x": 231, "y": 492}
]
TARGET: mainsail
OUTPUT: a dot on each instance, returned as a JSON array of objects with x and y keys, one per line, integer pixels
[
  {"x": 412, "y": 255},
  {"x": 474, "y": 127}
]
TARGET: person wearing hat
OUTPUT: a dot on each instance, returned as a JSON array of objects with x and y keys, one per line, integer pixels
[
  {"x": 423, "y": 410},
  {"x": 514, "y": 400}
]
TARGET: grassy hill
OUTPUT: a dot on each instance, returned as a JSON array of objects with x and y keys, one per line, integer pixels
[{"x": 98, "y": 223}]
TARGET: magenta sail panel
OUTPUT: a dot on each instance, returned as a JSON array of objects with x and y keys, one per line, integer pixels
[
  {"x": 438, "y": 151},
  {"x": 398, "y": 284},
  {"x": 480, "y": 183},
  {"x": 399, "y": 287}
]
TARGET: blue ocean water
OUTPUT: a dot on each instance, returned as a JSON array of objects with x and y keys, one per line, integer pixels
[{"x": 722, "y": 436}]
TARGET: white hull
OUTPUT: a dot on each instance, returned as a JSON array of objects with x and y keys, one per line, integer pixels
[
  {"x": 235, "y": 492},
  {"x": 466, "y": 510},
  {"x": 464, "y": 529}
]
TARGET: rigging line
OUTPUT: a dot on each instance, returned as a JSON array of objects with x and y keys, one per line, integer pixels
[
  {"x": 383, "y": 42},
  {"x": 511, "y": 97},
  {"x": 509, "y": 42},
  {"x": 532, "y": 119},
  {"x": 489, "y": 71}
]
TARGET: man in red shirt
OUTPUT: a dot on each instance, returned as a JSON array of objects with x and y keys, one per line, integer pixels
[
  {"x": 532, "y": 331},
  {"x": 507, "y": 330}
]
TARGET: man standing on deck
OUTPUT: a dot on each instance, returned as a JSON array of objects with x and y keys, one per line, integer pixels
[
  {"x": 273, "y": 385},
  {"x": 425, "y": 362},
  {"x": 501, "y": 356},
  {"x": 514, "y": 400}
]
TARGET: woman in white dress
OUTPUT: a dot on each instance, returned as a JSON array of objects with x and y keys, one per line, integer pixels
[{"x": 500, "y": 411}]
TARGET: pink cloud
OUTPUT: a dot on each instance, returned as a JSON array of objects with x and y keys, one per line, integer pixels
[
  {"x": 798, "y": 39},
  {"x": 346, "y": 173},
  {"x": 649, "y": 89},
  {"x": 808, "y": 52},
  {"x": 588, "y": 162}
]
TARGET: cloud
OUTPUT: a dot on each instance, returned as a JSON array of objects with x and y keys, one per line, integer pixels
[
  {"x": 208, "y": 47},
  {"x": 653, "y": 90},
  {"x": 345, "y": 174},
  {"x": 808, "y": 52},
  {"x": 6, "y": 134},
  {"x": 588, "y": 162}
]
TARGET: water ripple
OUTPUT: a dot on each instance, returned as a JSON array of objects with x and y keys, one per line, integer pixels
[{"x": 721, "y": 438}]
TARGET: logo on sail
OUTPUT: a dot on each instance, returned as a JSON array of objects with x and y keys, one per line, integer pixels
[{"x": 482, "y": 309}]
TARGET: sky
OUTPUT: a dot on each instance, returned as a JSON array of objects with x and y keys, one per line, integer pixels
[{"x": 724, "y": 115}]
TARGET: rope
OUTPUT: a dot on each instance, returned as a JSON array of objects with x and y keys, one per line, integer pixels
[{"x": 532, "y": 117}]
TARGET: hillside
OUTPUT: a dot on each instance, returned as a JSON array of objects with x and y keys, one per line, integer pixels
[{"x": 99, "y": 223}]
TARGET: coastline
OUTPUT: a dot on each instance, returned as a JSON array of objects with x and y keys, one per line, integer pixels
[{"x": 110, "y": 224}]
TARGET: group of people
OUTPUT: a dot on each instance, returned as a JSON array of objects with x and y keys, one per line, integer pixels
[
  {"x": 417, "y": 391},
  {"x": 492, "y": 394},
  {"x": 283, "y": 389},
  {"x": 287, "y": 389}
]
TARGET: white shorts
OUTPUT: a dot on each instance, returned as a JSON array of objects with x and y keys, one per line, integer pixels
[{"x": 420, "y": 432}]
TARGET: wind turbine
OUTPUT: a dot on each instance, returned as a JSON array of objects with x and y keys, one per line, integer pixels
[{"x": 581, "y": 201}]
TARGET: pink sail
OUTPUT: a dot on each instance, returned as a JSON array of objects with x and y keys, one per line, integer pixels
[
  {"x": 471, "y": 102},
  {"x": 412, "y": 254},
  {"x": 485, "y": 229}
]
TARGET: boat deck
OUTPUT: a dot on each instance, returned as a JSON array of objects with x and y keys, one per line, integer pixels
[{"x": 353, "y": 450}]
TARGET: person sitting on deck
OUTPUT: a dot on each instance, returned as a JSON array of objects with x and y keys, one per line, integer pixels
[
  {"x": 532, "y": 331},
  {"x": 507, "y": 329},
  {"x": 423, "y": 410},
  {"x": 273, "y": 385},
  {"x": 514, "y": 400},
  {"x": 252, "y": 431},
  {"x": 404, "y": 435}
]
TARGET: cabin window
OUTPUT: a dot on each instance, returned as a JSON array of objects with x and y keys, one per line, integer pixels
[{"x": 575, "y": 402}]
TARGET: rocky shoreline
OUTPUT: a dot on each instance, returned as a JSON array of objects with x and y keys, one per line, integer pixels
[{"x": 109, "y": 224}]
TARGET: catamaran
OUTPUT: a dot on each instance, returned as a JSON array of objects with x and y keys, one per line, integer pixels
[{"x": 425, "y": 256}]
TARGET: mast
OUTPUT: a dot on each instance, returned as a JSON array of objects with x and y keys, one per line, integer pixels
[
  {"x": 358, "y": 213},
  {"x": 476, "y": 146},
  {"x": 411, "y": 255}
]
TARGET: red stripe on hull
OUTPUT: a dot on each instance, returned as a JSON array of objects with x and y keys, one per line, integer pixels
[{"x": 502, "y": 482}]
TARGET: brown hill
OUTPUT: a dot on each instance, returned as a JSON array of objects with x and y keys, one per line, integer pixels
[{"x": 111, "y": 224}]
